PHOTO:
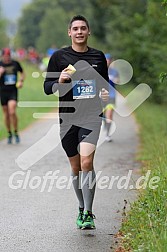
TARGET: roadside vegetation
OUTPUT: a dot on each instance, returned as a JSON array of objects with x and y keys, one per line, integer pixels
[{"x": 145, "y": 227}]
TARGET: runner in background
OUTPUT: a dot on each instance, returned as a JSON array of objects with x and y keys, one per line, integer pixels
[
  {"x": 9, "y": 92},
  {"x": 109, "y": 106}
]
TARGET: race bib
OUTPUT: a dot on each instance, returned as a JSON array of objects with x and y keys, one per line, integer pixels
[
  {"x": 9, "y": 79},
  {"x": 84, "y": 89}
]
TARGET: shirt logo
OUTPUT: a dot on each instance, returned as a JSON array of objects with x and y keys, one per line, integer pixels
[{"x": 83, "y": 136}]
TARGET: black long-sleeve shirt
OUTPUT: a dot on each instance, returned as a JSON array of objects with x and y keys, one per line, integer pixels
[{"x": 82, "y": 91}]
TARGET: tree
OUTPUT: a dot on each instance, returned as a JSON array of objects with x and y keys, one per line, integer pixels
[
  {"x": 131, "y": 30},
  {"x": 163, "y": 75},
  {"x": 28, "y": 26},
  {"x": 35, "y": 22},
  {"x": 51, "y": 32},
  {"x": 4, "y": 39}
]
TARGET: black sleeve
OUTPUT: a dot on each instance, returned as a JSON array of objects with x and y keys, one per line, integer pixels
[
  {"x": 19, "y": 67},
  {"x": 104, "y": 74},
  {"x": 52, "y": 75}
]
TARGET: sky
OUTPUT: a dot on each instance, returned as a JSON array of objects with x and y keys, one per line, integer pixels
[{"x": 11, "y": 9}]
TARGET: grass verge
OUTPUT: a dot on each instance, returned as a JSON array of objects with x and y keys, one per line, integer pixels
[
  {"x": 145, "y": 228},
  {"x": 32, "y": 91}
]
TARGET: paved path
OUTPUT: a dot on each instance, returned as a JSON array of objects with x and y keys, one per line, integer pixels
[{"x": 34, "y": 221}]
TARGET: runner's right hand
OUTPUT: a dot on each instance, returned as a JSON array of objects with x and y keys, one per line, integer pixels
[
  {"x": 64, "y": 76},
  {"x": 2, "y": 70}
]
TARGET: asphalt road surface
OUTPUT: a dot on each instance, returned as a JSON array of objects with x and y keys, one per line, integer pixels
[{"x": 39, "y": 216}]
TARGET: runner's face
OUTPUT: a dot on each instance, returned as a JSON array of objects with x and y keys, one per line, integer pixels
[
  {"x": 79, "y": 32},
  {"x": 6, "y": 58}
]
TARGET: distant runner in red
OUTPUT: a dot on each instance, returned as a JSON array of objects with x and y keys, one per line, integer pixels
[{"x": 9, "y": 84}]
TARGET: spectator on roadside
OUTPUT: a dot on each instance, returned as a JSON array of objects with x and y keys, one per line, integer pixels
[
  {"x": 51, "y": 50},
  {"x": 33, "y": 56}
]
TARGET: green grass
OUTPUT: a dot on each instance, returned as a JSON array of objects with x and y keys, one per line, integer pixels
[
  {"x": 145, "y": 228},
  {"x": 32, "y": 91}
]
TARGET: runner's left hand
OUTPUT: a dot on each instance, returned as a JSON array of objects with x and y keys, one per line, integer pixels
[{"x": 19, "y": 84}]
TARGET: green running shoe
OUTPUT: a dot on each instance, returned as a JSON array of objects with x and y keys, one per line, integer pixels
[
  {"x": 88, "y": 220},
  {"x": 80, "y": 218}
]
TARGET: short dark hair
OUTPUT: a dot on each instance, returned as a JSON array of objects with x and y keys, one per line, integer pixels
[{"x": 76, "y": 18}]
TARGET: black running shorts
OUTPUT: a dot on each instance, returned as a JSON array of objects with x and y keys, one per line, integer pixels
[
  {"x": 7, "y": 96},
  {"x": 71, "y": 136}
]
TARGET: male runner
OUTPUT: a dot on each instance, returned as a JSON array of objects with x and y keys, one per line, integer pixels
[
  {"x": 79, "y": 108},
  {"x": 8, "y": 91}
]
